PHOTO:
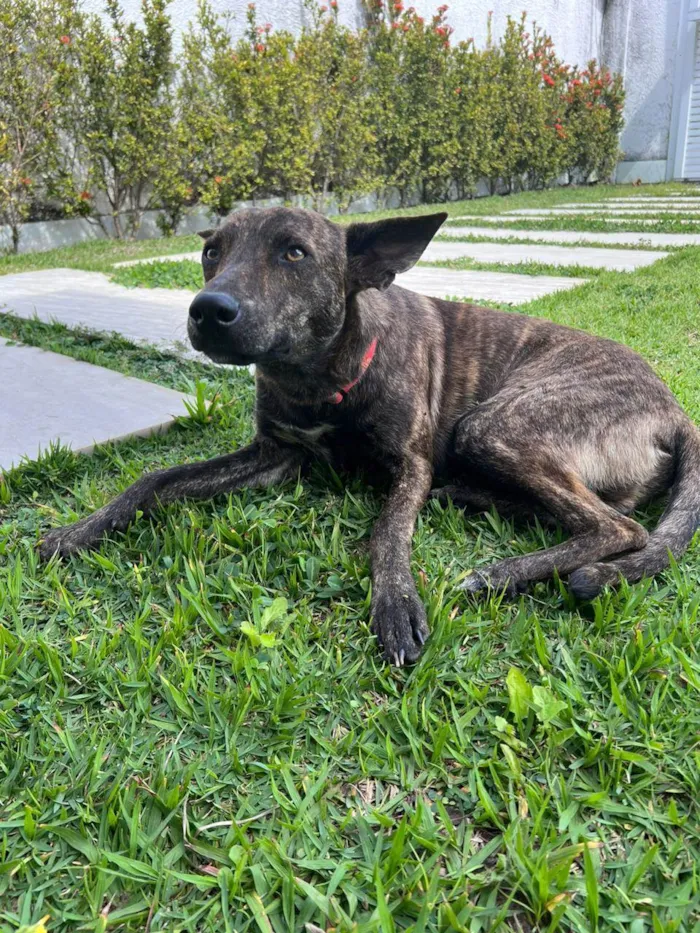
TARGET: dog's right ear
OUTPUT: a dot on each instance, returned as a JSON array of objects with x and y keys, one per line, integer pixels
[
  {"x": 205, "y": 234},
  {"x": 378, "y": 252}
]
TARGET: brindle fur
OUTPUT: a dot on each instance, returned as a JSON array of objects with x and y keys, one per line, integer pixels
[{"x": 497, "y": 408}]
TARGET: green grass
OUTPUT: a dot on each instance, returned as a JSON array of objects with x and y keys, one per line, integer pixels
[
  {"x": 197, "y": 732},
  {"x": 530, "y": 267},
  {"x": 666, "y": 223},
  {"x": 551, "y": 241},
  {"x": 183, "y": 274}
]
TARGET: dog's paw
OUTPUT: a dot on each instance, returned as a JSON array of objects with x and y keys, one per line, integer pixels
[
  {"x": 69, "y": 540},
  {"x": 399, "y": 622},
  {"x": 494, "y": 579},
  {"x": 587, "y": 582}
]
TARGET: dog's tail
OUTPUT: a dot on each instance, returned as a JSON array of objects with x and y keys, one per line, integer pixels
[{"x": 672, "y": 535}]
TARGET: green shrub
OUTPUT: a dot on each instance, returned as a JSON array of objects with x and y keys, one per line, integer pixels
[
  {"x": 122, "y": 127},
  {"x": 124, "y": 124},
  {"x": 594, "y": 101},
  {"x": 37, "y": 75}
]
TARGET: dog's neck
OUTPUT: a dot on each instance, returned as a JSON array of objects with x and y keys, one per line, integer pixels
[{"x": 337, "y": 366}]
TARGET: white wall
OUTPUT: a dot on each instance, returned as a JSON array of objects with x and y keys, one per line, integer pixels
[{"x": 636, "y": 37}]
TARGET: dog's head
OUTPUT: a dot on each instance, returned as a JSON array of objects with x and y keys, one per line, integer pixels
[{"x": 278, "y": 280}]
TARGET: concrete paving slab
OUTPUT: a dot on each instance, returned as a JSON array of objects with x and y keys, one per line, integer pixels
[
  {"x": 595, "y": 209},
  {"x": 157, "y": 316},
  {"x": 509, "y": 218},
  {"x": 620, "y": 260},
  {"x": 667, "y": 199},
  {"x": 55, "y": 398},
  {"x": 503, "y": 287},
  {"x": 651, "y": 240},
  {"x": 637, "y": 204}
]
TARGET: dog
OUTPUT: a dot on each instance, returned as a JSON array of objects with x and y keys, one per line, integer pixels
[{"x": 493, "y": 408}]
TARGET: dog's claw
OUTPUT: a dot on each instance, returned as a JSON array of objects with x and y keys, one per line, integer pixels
[
  {"x": 397, "y": 660},
  {"x": 420, "y": 637}
]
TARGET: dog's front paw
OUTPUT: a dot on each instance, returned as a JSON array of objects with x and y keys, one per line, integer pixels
[
  {"x": 70, "y": 539},
  {"x": 399, "y": 622}
]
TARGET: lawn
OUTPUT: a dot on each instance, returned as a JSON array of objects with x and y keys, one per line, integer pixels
[{"x": 198, "y": 732}]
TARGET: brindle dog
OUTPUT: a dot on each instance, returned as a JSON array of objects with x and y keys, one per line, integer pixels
[{"x": 501, "y": 409}]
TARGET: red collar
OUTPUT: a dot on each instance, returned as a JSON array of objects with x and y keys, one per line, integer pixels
[{"x": 338, "y": 396}]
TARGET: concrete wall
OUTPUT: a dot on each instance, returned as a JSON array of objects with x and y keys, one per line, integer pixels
[
  {"x": 636, "y": 37},
  {"x": 639, "y": 41}
]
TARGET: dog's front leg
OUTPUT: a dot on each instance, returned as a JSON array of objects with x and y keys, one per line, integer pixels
[
  {"x": 259, "y": 464},
  {"x": 398, "y": 615}
]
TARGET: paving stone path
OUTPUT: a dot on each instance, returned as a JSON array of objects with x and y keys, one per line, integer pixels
[
  {"x": 620, "y": 260},
  {"x": 651, "y": 240},
  {"x": 505, "y": 287},
  {"x": 56, "y": 398},
  {"x": 592, "y": 209},
  {"x": 156, "y": 316},
  {"x": 547, "y": 216}
]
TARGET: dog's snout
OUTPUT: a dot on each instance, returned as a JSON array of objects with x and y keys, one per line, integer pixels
[{"x": 215, "y": 307}]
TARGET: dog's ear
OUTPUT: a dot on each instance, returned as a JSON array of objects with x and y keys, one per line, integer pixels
[
  {"x": 205, "y": 234},
  {"x": 378, "y": 252}
]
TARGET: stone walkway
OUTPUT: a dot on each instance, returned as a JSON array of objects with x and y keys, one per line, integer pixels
[
  {"x": 504, "y": 287},
  {"x": 56, "y": 398},
  {"x": 620, "y": 260},
  {"x": 156, "y": 316},
  {"x": 614, "y": 211},
  {"x": 650, "y": 240},
  {"x": 547, "y": 217}
]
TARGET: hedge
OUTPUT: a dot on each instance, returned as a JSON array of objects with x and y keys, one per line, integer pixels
[{"x": 99, "y": 116}]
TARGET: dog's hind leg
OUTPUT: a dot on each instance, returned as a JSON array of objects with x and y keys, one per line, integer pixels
[{"x": 598, "y": 531}]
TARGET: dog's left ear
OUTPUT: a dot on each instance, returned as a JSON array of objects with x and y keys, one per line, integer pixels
[
  {"x": 205, "y": 234},
  {"x": 378, "y": 252}
]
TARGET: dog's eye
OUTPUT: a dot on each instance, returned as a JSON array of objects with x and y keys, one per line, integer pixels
[
  {"x": 211, "y": 254},
  {"x": 294, "y": 254}
]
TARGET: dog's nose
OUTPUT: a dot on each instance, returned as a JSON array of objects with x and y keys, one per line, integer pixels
[{"x": 215, "y": 307}]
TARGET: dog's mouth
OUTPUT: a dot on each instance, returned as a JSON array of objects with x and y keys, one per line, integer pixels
[{"x": 228, "y": 357}]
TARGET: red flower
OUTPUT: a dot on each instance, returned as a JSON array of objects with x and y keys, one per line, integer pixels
[
  {"x": 458, "y": 90},
  {"x": 396, "y": 25},
  {"x": 85, "y": 196},
  {"x": 251, "y": 6},
  {"x": 218, "y": 179},
  {"x": 259, "y": 47},
  {"x": 25, "y": 181},
  {"x": 398, "y": 7},
  {"x": 549, "y": 81},
  {"x": 443, "y": 8},
  {"x": 334, "y": 4},
  {"x": 65, "y": 40},
  {"x": 323, "y": 9}
]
